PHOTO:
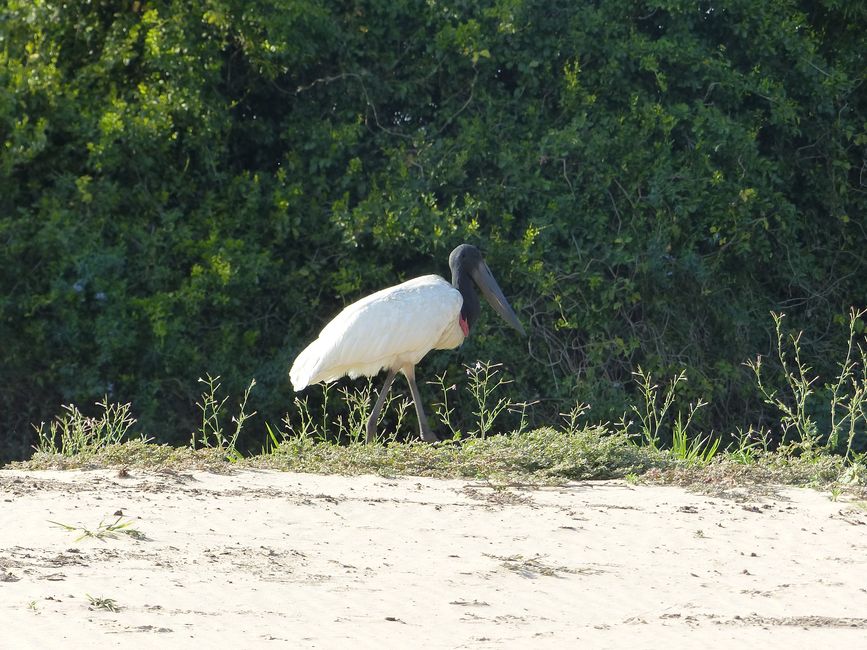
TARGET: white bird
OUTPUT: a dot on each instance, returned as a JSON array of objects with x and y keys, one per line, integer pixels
[{"x": 394, "y": 328}]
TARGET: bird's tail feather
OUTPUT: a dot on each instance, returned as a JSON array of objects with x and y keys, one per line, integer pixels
[{"x": 305, "y": 366}]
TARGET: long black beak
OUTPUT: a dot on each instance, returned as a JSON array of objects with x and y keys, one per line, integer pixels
[{"x": 482, "y": 276}]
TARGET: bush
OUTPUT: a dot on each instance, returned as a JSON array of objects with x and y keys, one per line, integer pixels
[{"x": 196, "y": 187}]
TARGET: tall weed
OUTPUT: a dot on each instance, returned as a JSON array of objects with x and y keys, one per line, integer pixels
[
  {"x": 845, "y": 397},
  {"x": 73, "y": 433},
  {"x": 211, "y": 433}
]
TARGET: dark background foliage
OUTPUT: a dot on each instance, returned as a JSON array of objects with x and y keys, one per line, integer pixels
[{"x": 197, "y": 186}]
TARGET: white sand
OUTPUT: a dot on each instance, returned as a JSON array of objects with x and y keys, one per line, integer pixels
[{"x": 269, "y": 559}]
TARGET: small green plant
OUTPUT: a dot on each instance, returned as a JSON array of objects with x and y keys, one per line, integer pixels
[
  {"x": 653, "y": 416},
  {"x": 310, "y": 426},
  {"x": 108, "y": 604},
  {"x": 521, "y": 408},
  {"x": 796, "y": 374},
  {"x": 531, "y": 566},
  {"x": 485, "y": 380},
  {"x": 358, "y": 404},
  {"x": 33, "y": 607},
  {"x": 211, "y": 433},
  {"x": 110, "y": 530},
  {"x": 323, "y": 430},
  {"x": 574, "y": 416},
  {"x": 849, "y": 407},
  {"x": 856, "y": 470},
  {"x": 305, "y": 429},
  {"x": 272, "y": 442},
  {"x": 401, "y": 406},
  {"x": 696, "y": 451},
  {"x": 652, "y": 413},
  {"x": 74, "y": 433},
  {"x": 748, "y": 447}
]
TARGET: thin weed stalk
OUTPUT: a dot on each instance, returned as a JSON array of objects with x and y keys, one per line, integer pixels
[
  {"x": 847, "y": 408},
  {"x": 485, "y": 380},
  {"x": 521, "y": 408},
  {"x": 574, "y": 416},
  {"x": 211, "y": 433},
  {"x": 442, "y": 409}
]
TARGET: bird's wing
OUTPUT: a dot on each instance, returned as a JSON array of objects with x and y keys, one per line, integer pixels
[{"x": 390, "y": 328}]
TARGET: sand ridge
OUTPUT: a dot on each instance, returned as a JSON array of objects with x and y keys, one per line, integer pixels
[{"x": 276, "y": 559}]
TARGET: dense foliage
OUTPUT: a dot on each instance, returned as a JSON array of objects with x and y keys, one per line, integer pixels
[{"x": 196, "y": 186}]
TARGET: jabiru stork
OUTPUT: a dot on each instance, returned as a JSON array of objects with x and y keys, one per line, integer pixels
[{"x": 394, "y": 328}]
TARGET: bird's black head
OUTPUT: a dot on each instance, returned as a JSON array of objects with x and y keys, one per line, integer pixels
[
  {"x": 465, "y": 256},
  {"x": 466, "y": 263}
]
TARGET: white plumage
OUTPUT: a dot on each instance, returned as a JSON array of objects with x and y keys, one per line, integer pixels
[{"x": 391, "y": 328}]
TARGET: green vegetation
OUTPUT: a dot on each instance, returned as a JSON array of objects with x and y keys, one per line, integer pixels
[
  {"x": 536, "y": 456},
  {"x": 73, "y": 433},
  {"x": 578, "y": 450},
  {"x": 98, "y": 602},
  {"x": 211, "y": 430},
  {"x": 105, "y": 530},
  {"x": 196, "y": 187}
]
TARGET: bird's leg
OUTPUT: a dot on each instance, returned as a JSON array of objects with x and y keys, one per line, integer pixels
[
  {"x": 424, "y": 429},
  {"x": 374, "y": 414}
]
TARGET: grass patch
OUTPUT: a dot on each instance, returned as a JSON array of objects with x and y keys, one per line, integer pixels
[
  {"x": 542, "y": 455},
  {"x": 824, "y": 472},
  {"x": 545, "y": 456},
  {"x": 653, "y": 441},
  {"x": 137, "y": 453}
]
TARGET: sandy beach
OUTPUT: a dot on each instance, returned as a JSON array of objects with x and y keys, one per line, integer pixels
[{"x": 271, "y": 559}]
